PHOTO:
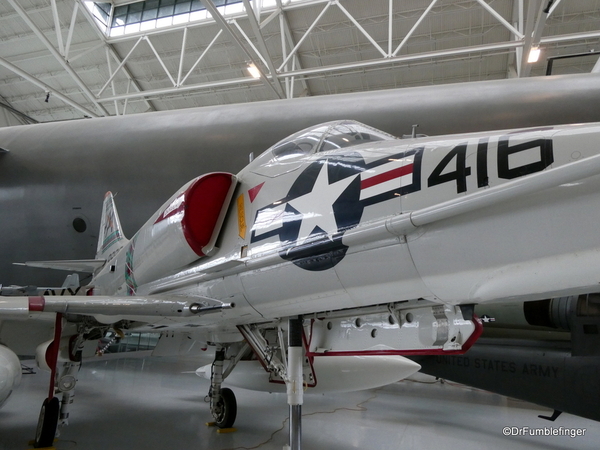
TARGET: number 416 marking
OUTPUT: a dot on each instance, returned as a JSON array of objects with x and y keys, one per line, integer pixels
[{"x": 461, "y": 171}]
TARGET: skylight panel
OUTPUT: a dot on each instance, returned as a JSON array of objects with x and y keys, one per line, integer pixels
[{"x": 152, "y": 14}]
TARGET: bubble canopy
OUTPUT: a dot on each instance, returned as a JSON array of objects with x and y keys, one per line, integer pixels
[{"x": 321, "y": 138}]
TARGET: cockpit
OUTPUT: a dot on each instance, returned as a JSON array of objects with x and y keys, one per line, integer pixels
[
  {"x": 288, "y": 153},
  {"x": 321, "y": 138},
  {"x": 327, "y": 136}
]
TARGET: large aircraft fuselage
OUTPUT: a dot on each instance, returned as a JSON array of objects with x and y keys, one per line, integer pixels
[{"x": 54, "y": 176}]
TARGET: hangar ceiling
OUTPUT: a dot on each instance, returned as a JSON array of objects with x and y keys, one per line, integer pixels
[{"x": 59, "y": 61}]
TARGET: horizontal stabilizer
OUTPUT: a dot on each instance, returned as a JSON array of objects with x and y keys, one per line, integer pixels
[
  {"x": 72, "y": 265},
  {"x": 104, "y": 305}
]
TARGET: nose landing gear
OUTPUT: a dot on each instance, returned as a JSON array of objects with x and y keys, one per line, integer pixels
[{"x": 223, "y": 405}]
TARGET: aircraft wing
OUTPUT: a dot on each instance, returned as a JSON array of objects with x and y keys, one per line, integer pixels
[
  {"x": 21, "y": 307},
  {"x": 72, "y": 265}
]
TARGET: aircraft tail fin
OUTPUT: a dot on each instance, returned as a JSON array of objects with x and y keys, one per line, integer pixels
[{"x": 111, "y": 238}]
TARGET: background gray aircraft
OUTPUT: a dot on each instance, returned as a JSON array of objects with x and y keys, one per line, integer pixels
[{"x": 54, "y": 176}]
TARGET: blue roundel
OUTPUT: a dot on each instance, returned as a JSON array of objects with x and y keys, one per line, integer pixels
[{"x": 331, "y": 185}]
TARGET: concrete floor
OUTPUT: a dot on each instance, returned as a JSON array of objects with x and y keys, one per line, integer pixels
[{"x": 156, "y": 403}]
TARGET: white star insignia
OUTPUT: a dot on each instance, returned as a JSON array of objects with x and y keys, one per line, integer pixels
[{"x": 316, "y": 206}]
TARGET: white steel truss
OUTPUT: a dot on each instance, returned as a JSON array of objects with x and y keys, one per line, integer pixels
[{"x": 279, "y": 74}]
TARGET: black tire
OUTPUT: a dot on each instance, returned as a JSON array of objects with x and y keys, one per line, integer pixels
[
  {"x": 226, "y": 409},
  {"x": 47, "y": 423}
]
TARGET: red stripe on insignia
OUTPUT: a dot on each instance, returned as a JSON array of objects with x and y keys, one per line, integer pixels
[{"x": 387, "y": 176}]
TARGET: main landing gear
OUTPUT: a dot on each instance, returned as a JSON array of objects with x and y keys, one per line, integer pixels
[
  {"x": 47, "y": 423},
  {"x": 54, "y": 412}
]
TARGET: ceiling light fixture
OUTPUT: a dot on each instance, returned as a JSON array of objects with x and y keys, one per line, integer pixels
[
  {"x": 253, "y": 70},
  {"x": 534, "y": 55}
]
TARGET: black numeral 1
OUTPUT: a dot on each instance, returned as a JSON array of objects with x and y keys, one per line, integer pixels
[{"x": 460, "y": 174}]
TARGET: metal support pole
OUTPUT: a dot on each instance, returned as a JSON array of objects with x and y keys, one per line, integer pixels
[
  {"x": 295, "y": 427},
  {"x": 295, "y": 382}
]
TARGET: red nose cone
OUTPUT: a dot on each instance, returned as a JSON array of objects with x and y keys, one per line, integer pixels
[{"x": 204, "y": 201}]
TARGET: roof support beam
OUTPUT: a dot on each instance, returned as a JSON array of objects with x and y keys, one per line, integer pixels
[
  {"x": 126, "y": 100},
  {"x": 271, "y": 17},
  {"x": 57, "y": 28},
  {"x": 180, "y": 89},
  {"x": 46, "y": 88},
  {"x": 114, "y": 74},
  {"x": 533, "y": 31},
  {"x": 570, "y": 37},
  {"x": 71, "y": 29},
  {"x": 390, "y": 25},
  {"x": 320, "y": 71},
  {"x": 289, "y": 88},
  {"x": 86, "y": 51},
  {"x": 113, "y": 52},
  {"x": 247, "y": 39},
  {"x": 147, "y": 39},
  {"x": 208, "y": 47},
  {"x": 260, "y": 41},
  {"x": 210, "y": 7},
  {"x": 412, "y": 30},
  {"x": 112, "y": 83},
  {"x": 361, "y": 29},
  {"x": 302, "y": 39},
  {"x": 553, "y": 6},
  {"x": 407, "y": 58},
  {"x": 57, "y": 55},
  {"x": 183, "y": 44},
  {"x": 501, "y": 19},
  {"x": 286, "y": 36},
  {"x": 514, "y": 59}
]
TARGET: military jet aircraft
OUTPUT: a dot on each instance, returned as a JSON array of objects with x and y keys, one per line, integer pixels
[{"x": 331, "y": 257}]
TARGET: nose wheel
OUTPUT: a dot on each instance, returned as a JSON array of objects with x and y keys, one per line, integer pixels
[
  {"x": 225, "y": 409},
  {"x": 223, "y": 405}
]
